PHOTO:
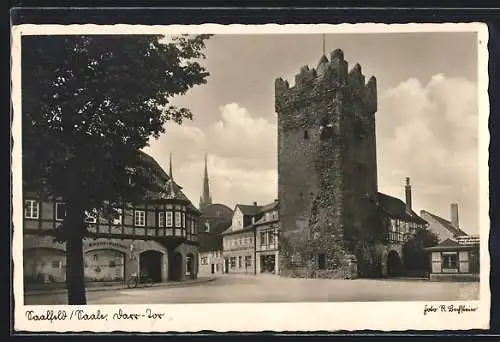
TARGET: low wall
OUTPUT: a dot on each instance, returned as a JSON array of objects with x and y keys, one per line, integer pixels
[{"x": 454, "y": 277}]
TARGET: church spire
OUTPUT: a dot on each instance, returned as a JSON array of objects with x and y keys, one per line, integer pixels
[
  {"x": 205, "y": 198},
  {"x": 170, "y": 169}
]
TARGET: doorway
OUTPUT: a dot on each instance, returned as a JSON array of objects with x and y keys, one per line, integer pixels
[
  {"x": 150, "y": 265},
  {"x": 175, "y": 269},
  {"x": 394, "y": 264},
  {"x": 190, "y": 266},
  {"x": 213, "y": 269}
]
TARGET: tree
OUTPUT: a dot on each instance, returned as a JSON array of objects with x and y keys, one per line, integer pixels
[
  {"x": 414, "y": 256},
  {"x": 90, "y": 104}
]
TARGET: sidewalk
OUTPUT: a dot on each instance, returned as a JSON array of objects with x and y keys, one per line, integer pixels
[{"x": 120, "y": 286}]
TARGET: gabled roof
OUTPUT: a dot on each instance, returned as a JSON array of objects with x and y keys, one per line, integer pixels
[
  {"x": 446, "y": 224},
  {"x": 452, "y": 244},
  {"x": 249, "y": 210},
  {"x": 271, "y": 206},
  {"x": 170, "y": 190},
  {"x": 396, "y": 208}
]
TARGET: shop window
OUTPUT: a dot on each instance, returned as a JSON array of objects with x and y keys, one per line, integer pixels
[
  {"x": 248, "y": 261},
  {"x": 450, "y": 261}
]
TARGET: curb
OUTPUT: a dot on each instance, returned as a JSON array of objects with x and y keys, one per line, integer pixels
[{"x": 122, "y": 287}]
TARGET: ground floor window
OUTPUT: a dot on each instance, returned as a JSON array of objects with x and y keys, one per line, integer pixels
[
  {"x": 248, "y": 261},
  {"x": 267, "y": 263},
  {"x": 204, "y": 260},
  {"x": 239, "y": 261},
  {"x": 450, "y": 261},
  {"x": 474, "y": 261}
]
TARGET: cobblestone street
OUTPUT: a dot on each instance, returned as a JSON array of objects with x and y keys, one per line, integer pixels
[{"x": 233, "y": 288}]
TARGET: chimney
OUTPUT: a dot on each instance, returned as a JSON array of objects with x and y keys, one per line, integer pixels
[
  {"x": 408, "y": 192},
  {"x": 454, "y": 215}
]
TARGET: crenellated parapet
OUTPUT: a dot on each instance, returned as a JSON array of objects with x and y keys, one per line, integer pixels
[{"x": 331, "y": 76}]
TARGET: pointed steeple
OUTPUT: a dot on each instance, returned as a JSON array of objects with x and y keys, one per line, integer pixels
[
  {"x": 170, "y": 186},
  {"x": 170, "y": 170},
  {"x": 205, "y": 199}
]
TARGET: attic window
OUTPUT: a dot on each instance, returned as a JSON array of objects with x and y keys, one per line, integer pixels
[{"x": 306, "y": 135}]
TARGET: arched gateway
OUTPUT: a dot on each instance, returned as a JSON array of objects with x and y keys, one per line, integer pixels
[{"x": 394, "y": 264}]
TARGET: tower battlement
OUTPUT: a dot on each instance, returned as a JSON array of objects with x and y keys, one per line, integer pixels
[{"x": 329, "y": 76}]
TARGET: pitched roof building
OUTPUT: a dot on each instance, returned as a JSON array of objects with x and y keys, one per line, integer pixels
[{"x": 444, "y": 229}]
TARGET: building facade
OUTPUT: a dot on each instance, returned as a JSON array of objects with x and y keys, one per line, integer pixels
[
  {"x": 400, "y": 223},
  {"x": 251, "y": 243},
  {"x": 443, "y": 228},
  {"x": 156, "y": 238},
  {"x": 239, "y": 240},
  {"x": 455, "y": 258},
  {"x": 215, "y": 219},
  {"x": 267, "y": 240}
]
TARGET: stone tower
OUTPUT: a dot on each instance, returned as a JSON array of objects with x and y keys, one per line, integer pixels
[
  {"x": 206, "y": 198},
  {"x": 327, "y": 167}
]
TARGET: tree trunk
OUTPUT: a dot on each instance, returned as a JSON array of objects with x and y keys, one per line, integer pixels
[{"x": 74, "y": 258}]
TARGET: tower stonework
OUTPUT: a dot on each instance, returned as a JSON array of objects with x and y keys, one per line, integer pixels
[{"x": 327, "y": 167}]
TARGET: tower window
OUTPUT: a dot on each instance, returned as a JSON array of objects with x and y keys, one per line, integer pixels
[{"x": 306, "y": 134}]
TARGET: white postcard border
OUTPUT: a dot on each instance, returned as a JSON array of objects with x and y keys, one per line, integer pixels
[{"x": 384, "y": 316}]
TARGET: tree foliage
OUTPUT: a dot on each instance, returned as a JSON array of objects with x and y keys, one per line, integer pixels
[
  {"x": 415, "y": 257},
  {"x": 90, "y": 103}
]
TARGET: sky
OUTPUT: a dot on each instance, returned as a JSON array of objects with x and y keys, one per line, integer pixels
[{"x": 426, "y": 124}]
